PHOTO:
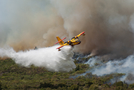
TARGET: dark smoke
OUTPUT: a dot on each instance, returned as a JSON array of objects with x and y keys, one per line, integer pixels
[{"x": 108, "y": 24}]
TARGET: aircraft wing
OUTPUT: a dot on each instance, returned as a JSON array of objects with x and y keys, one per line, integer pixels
[
  {"x": 60, "y": 41},
  {"x": 83, "y": 33}
]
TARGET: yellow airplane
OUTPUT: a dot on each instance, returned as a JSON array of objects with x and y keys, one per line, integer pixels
[{"x": 74, "y": 41}]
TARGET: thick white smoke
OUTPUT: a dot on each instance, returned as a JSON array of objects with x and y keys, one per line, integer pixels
[
  {"x": 50, "y": 58},
  {"x": 125, "y": 66}
]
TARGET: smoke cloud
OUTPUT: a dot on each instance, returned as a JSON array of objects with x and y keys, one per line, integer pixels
[
  {"x": 26, "y": 24},
  {"x": 108, "y": 24},
  {"x": 124, "y": 66},
  {"x": 50, "y": 58}
]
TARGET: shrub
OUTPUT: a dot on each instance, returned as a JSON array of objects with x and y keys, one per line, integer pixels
[
  {"x": 0, "y": 86},
  {"x": 77, "y": 68},
  {"x": 73, "y": 87},
  {"x": 119, "y": 88},
  {"x": 120, "y": 83},
  {"x": 45, "y": 85},
  {"x": 131, "y": 86},
  {"x": 93, "y": 87}
]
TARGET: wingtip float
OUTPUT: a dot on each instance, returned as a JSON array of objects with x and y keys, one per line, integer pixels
[{"x": 74, "y": 41}]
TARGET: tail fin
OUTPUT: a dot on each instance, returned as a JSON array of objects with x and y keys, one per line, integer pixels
[{"x": 60, "y": 41}]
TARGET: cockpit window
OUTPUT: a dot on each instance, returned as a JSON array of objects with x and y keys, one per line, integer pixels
[
  {"x": 72, "y": 37},
  {"x": 78, "y": 40}
]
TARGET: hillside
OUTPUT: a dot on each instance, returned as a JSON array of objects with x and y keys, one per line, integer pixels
[{"x": 13, "y": 76}]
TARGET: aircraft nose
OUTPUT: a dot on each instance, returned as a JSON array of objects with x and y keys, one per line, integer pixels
[{"x": 79, "y": 42}]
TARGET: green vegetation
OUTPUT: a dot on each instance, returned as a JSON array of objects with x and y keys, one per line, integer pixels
[{"x": 16, "y": 77}]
